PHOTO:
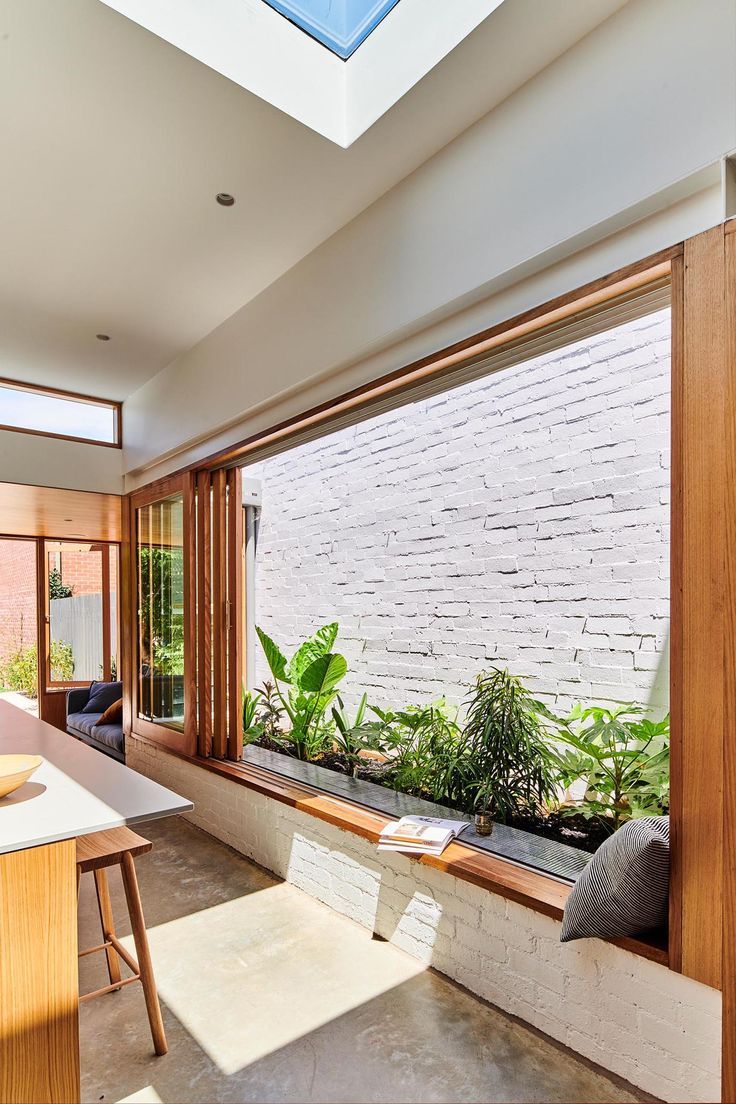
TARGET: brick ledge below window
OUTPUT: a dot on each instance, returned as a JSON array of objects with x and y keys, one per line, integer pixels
[{"x": 526, "y": 887}]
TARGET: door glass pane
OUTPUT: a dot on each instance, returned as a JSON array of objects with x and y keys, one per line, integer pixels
[
  {"x": 82, "y": 624},
  {"x": 113, "y": 603},
  {"x": 161, "y": 612},
  {"x": 18, "y": 624}
]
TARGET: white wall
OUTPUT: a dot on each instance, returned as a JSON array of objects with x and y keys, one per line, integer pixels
[
  {"x": 654, "y": 1027},
  {"x": 598, "y": 149},
  {"x": 521, "y": 520},
  {"x": 48, "y": 462}
]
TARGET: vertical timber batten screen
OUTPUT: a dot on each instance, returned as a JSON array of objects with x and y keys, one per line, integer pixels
[{"x": 219, "y": 622}]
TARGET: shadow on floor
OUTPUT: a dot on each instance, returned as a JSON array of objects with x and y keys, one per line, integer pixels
[{"x": 268, "y": 995}]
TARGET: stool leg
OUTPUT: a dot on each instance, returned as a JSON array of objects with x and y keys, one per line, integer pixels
[
  {"x": 107, "y": 922},
  {"x": 138, "y": 924}
]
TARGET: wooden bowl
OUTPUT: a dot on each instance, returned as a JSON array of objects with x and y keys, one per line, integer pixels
[{"x": 15, "y": 770}]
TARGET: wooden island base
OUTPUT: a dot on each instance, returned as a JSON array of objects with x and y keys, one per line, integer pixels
[{"x": 39, "y": 1031}]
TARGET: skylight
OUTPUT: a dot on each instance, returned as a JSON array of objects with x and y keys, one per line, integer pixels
[
  {"x": 302, "y": 56},
  {"x": 340, "y": 25}
]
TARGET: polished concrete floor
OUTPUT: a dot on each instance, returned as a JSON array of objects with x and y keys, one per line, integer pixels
[{"x": 268, "y": 995}]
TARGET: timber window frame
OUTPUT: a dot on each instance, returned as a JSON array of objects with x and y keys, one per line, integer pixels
[
  {"x": 115, "y": 409},
  {"x": 702, "y": 511}
]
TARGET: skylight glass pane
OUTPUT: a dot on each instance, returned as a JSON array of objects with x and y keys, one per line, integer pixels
[
  {"x": 341, "y": 25},
  {"x": 44, "y": 412}
]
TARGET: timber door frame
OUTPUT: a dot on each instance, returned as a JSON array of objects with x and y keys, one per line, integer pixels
[{"x": 182, "y": 740}]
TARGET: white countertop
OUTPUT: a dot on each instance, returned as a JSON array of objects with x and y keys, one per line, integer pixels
[{"x": 76, "y": 790}]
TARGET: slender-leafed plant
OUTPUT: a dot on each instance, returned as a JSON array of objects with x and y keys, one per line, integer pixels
[
  {"x": 351, "y": 737},
  {"x": 252, "y": 728},
  {"x": 505, "y": 762}
]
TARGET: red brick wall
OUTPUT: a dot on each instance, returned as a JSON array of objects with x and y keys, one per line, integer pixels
[
  {"x": 80, "y": 570},
  {"x": 17, "y": 596}
]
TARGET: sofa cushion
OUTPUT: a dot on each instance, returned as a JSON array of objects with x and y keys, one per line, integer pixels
[
  {"x": 110, "y": 735},
  {"x": 83, "y": 722},
  {"x": 113, "y": 715},
  {"x": 624, "y": 889},
  {"x": 87, "y": 726},
  {"x": 102, "y": 694}
]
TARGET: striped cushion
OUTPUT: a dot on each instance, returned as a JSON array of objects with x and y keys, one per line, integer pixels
[{"x": 625, "y": 887}]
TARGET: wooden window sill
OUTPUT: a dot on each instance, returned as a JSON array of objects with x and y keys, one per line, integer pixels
[{"x": 516, "y": 883}]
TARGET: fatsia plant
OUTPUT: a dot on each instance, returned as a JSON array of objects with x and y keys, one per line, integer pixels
[
  {"x": 425, "y": 749},
  {"x": 622, "y": 756},
  {"x": 306, "y": 685},
  {"x": 504, "y": 762}
]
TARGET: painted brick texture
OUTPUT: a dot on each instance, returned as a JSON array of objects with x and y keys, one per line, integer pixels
[
  {"x": 520, "y": 520},
  {"x": 646, "y": 1023}
]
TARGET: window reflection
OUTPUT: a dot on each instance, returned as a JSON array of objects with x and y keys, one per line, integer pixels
[{"x": 161, "y": 612}]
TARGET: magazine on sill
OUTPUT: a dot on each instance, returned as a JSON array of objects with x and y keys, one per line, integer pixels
[{"x": 420, "y": 835}]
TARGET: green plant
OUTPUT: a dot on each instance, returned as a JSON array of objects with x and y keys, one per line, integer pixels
[
  {"x": 61, "y": 659},
  {"x": 622, "y": 756},
  {"x": 252, "y": 728},
  {"x": 306, "y": 685},
  {"x": 161, "y": 620},
  {"x": 57, "y": 589},
  {"x": 504, "y": 761},
  {"x": 20, "y": 670},
  {"x": 484, "y": 798},
  {"x": 353, "y": 737},
  {"x": 271, "y": 714},
  {"x": 113, "y": 669},
  {"x": 424, "y": 745}
]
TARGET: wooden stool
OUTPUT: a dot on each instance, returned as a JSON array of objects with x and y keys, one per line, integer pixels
[{"x": 118, "y": 847}]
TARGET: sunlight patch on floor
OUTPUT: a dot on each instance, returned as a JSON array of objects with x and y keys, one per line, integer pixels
[
  {"x": 148, "y": 1095},
  {"x": 254, "y": 974}
]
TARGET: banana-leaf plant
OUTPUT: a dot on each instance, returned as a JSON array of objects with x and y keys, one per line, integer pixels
[
  {"x": 622, "y": 756},
  {"x": 306, "y": 685}
]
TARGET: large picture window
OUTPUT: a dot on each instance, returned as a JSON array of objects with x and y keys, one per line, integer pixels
[{"x": 488, "y": 566}]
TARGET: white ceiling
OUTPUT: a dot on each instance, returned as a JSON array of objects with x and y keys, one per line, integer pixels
[{"x": 114, "y": 144}]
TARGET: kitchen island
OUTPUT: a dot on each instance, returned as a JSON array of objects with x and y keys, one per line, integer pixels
[{"x": 75, "y": 791}]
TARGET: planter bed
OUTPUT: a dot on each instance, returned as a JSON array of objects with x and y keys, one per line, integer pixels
[{"x": 535, "y": 852}]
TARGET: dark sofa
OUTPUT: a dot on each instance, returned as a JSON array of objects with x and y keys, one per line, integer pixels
[{"x": 81, "y": 719}]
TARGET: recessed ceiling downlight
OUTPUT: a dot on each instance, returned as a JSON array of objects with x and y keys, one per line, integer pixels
[
  {"x": 102, "y": 337},
  {"x": 225, "y": 199}
]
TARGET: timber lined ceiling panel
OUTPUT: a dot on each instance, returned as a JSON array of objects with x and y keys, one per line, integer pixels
[{"x": 27, "y": 511}]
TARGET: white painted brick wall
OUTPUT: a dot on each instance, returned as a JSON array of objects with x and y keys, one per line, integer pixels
[
  {"x": 519, "y": 520},
  {"x": 646, "y": 1023}
]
